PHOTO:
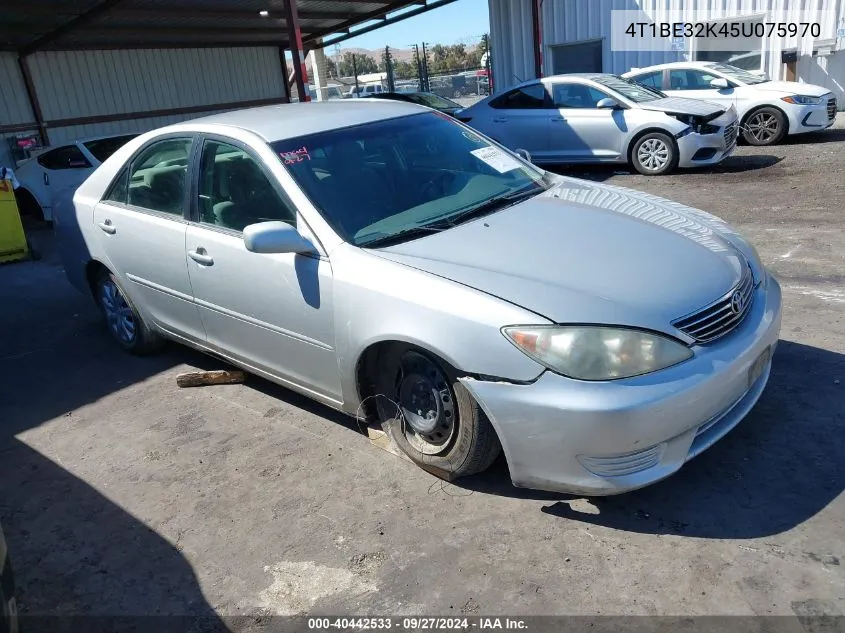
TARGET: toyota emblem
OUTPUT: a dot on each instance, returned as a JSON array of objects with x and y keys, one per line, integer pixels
[{"x": 737, "y": 302}]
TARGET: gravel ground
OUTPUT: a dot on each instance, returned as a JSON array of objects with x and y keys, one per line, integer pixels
[{"x": 123, "y": 494}]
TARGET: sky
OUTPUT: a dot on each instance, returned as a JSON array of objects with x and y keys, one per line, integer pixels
[{"x": 464, "y": 20}]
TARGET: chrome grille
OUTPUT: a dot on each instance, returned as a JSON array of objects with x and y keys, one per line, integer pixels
[
  {"x": 730, "y": 135},
  {"x": 721, "y": 317},
  {"x": 831, "y": 108}
]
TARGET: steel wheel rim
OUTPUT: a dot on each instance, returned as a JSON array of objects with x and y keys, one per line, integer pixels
[
  {"x": 763, "y": 126},
  {"x": 426, "y": 405},
  {"x": 119, "y": 316},
  {"x": 653, "y": 154}
]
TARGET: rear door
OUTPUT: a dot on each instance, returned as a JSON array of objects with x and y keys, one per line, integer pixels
[
  {"x": 580, "y": 131},
  {"x": 521, "y": 118},
  {"x": 62, "y": 168},
  {"x": 141, "y": 226}
]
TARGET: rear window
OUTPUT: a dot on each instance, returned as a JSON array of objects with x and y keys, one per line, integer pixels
[{"x": 102, "y": 148}]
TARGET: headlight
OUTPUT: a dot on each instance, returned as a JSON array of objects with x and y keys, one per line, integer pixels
[
  {"x": 802, "y": 100},
  {"x": 595, "y": 352}
]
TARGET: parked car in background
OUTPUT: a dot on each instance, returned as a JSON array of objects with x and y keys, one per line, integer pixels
[
  {"x": 593, "y": 118},
  {"x": 390, "y": 262},
  {"x": 368, "y": 90},
  {"x": 60, "y": 167},
  {"x": 428, "y": 99},
  {"x": 8, "y": 606},
  {"x": 768, "y": 110}
]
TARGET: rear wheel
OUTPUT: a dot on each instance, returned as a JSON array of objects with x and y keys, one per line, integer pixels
[
  {"x": 654, "y": 154},
  {"x": 122, "y": 319},
  {"x": 431, "y": 416},
  {"x": 28, "y": 206},
  {"x": 765, "y": 126}
]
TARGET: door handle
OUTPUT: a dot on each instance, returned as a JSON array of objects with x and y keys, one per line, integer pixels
[
  {"x": 108, "y": 227},
  {"x": 200, "y": 256},
  {"x": 46, "y": 178},
  {"x": 500, "y": 120}
]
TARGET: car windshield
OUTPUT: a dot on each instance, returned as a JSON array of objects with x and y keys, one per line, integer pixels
[
  {"x": 433, "y": 101},
  {"x": 739, "y": 74},
  {"x": 628, "y": 88},
  {"x": 399, "y": 178},
  {"x": 102, "y": 148}
]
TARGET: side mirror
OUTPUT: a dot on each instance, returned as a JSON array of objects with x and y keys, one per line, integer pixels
[
  {"x": 719, "y": 83},
  {"x": 275, "y": 237},
  {"x": 523, "y": 153},
  {"x": 607, "y": 104}
]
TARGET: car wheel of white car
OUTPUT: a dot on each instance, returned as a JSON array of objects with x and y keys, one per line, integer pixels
[
  {"x": 654, "y": 154},
  {"x": 431, "y": 416},
  {"x": 765, "y": 126},
  {"x": 122, "y": 319}
]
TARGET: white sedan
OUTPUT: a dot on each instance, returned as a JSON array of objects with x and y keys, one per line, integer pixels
[
  {"x": 59, "y": 168},
  {"x": 768, "y": 110}
]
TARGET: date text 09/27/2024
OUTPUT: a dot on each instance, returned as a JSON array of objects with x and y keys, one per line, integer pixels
[{"x": 416, "y": 624}]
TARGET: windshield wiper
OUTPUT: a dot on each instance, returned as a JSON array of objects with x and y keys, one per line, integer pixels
[
  {"x": 488, "y": 206},
  {"x": 404, "y": 235}
]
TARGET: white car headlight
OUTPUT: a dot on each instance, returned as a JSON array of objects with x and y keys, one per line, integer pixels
[
  {"x": 588, "y": 352},
  {"x": 802, "y": 100}
]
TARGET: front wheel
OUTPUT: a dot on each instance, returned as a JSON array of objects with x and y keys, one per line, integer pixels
[
  {"x": 431, "y": 416},
  {"x": 765, "y": 126},
  {"x": 122, "y": 319},
  {"x": 654, "y": 154}
]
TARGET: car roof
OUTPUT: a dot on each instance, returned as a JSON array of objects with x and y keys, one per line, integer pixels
[
  {"x": 670, "y": 65},
  {"x": 290, "y": 120}
]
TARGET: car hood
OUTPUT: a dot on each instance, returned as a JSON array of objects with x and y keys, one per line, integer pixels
[
  {"x": 587, "y": 253},
  {"x": 681, "y": 105},
  {"x": 792, "y": 87}
]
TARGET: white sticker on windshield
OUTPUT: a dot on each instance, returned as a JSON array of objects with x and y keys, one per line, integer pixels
[{"x": 496, "y": 158}]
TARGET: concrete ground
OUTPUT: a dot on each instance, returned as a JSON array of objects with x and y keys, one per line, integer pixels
[{"x": 123, "y": 494}]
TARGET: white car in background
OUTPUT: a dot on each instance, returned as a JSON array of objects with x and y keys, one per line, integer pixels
[
  {"x": 768, "y": 110},
  {"x": 60, "y": 168}
]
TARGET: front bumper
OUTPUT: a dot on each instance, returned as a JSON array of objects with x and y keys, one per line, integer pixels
[
  {"x": 699, "y": 150},
  {"x": 811, "y": 118},
  {"x": 602, "y": 438}
]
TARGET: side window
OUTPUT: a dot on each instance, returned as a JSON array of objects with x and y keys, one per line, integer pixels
[
  {"x": 690, "y": 80},
  {"x": 652, "y": 80},
  {"x": 119, "y": 190},
  {"x": 576, "y": 96},
  {"x": 234, "y": 191},
  {"x": 525, "y": 98},
  {"x": 158, "y": 176},
  {"x": 68, "y": 157}
]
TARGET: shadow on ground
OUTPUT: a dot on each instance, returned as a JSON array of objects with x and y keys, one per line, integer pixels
[
  {"x": 778, "y": 468},
  {"x": 76, "y": 554}
]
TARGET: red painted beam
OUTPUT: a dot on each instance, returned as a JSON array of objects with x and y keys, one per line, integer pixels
[{"x": 296, "y": 49}]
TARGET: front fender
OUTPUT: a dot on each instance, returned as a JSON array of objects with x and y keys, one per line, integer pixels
[{"x": 379, "y": 300}]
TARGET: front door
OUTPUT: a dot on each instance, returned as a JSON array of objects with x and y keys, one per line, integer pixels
[
  {"x": 63, "y": 168},
  {"x": 579, "y": 130},
  {"x": 694, "y": 83},
  {"x": 141, "y": 226},
  {"x": 272, "y": 312}
]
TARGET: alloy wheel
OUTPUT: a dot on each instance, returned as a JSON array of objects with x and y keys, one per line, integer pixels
[
  {"x": 653, "y": 154},
  {"x": 119, "y": 315},
  {"x": 763, "y": 126}
]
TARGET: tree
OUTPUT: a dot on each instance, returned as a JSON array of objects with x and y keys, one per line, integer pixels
[
  {"x": 404, "y": 70},
  {"x": 331, "y": 67},
  {"x": 364, "y": 64}
]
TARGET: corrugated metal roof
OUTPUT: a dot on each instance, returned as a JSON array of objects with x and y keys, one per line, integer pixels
[{"x": 87, "y": 24}]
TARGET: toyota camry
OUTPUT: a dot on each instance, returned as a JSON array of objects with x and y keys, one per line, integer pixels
[{"x": 390, "y": 262}]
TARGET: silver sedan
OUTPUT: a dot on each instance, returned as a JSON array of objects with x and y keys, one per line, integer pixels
[
  {"x": 599, "y": 118},
  {"x": 388, "y": 261}
]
